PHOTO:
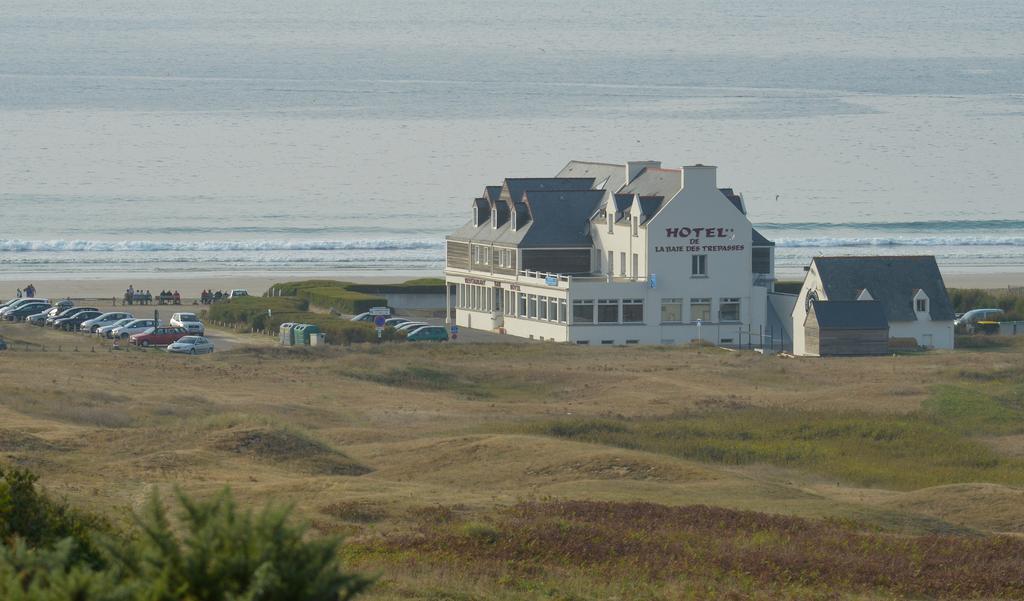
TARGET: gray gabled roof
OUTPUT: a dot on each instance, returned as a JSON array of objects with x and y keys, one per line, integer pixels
[
  {"x": 513, "y": 187},
  {"x": 655, "y": 181},
  {"x": 890, "y": 281},
  {"x": 610, "y": 175},
  {"x": 734, "y": 198},
  {"x": 850, "y": 315}
]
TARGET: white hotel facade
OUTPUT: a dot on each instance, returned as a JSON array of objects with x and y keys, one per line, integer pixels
[{"x": 612, "y": 254}]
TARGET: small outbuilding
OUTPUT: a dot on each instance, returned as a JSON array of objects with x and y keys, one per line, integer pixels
[{"x": 846, "y": 328}]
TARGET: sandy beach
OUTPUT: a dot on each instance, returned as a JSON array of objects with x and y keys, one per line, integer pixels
[{"x": 191, "y": 287}]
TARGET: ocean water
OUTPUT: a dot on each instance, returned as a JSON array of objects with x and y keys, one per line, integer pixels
[{"x": 338, "y": 138}]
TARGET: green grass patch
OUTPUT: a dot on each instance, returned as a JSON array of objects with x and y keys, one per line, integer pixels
[
  {"x": 899, "y": 452},
  {"x": 425, "y": 378}
]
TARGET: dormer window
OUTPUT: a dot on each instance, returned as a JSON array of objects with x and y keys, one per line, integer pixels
[
  {"x": 514, "y": 220},
  {"x": 611, "y": 222},
  {"x": 921, "y": 305},
  {"x": 494, "y": 218},
  {"x": 636, "y": 226},
  {"x": 476, "y": 216}
]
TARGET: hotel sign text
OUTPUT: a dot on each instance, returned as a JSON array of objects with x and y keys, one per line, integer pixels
[{"x": 696, "y": 238}]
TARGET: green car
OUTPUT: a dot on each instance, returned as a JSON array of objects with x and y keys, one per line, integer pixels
[{"x": 437, "y": 333}]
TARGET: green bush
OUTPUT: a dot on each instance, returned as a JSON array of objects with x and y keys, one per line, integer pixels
[
  {"x": 213, "y": 551},
  {"x": 965, "y": 299},
  {"x": 27, "y": 515},
  {"x": 251, "y": 311}
]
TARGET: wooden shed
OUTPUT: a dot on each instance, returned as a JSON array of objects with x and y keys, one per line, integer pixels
[{"x": 846, "y": 328}]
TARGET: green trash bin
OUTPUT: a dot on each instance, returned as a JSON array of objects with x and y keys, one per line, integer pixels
[
  {"x": 303, "y": 331},
  {"x": 287, "y": 332}
]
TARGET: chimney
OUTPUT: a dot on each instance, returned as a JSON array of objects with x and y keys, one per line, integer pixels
[
  {"x": 633, "y": 168},
  {"x": 699, "y": 177}
]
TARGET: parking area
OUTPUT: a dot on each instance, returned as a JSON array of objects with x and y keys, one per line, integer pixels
[{"x": 22, "y": 336}]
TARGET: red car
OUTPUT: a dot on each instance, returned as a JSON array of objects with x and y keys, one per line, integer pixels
[{"x": 161, "y": 336}]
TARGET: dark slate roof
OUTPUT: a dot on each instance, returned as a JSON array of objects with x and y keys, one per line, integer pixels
[
  {"x": 760, "y": 240},
  {"x": 850, "y": 315},
  {"x": 560, "y": 217},
  {"x": 492, "y": 193},
  {"x": 734, "y": 198},
  {"x": 649, "y": 205},
  {"x": 890, "y": 281}
]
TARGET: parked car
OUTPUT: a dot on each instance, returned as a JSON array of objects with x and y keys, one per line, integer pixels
[
  {"x": 26, "y": 310},
  {"x": 189, "y": 321},
  {"x": 363, "y": 317},
  {"x": 135, "y": 326},
  {"x": 69, "y": 312},
  {"x": 39, "y": 319},
  {"x": 410, "y": 326},
  {"x": 91, "y": 325},
  {"x": 18, "y": 302},
  {"x": 435, "y": 333},
  {"x": 191, "y": 345},
  {"x": 394, "y": 322},
  {"x": 70, "y": 324},
  {"x": 3, "y": 345},
  {"x": 107, "y": 330},
  {"x": 237, "y": 292},
  {"x": 158, "y": 336},
  {"x": 975, "y": 315}
]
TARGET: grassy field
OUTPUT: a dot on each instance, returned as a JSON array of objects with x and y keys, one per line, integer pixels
[{"x": 544, "y": 471}]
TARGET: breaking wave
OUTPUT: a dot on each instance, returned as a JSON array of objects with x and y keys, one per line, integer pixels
[
  {"x": 937, "y": 241},
  {"x": 212, "y": 246}
]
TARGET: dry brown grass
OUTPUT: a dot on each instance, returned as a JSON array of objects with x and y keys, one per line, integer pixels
[{"x": 357, "y": 438}]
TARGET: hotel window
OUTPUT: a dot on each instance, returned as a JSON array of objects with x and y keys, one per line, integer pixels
[
  {"x": 583, "y": 311},
  {"x": 597, "y": 262},
  {"x": 611, "y": 222},
  {"x": 611, "y": 263},
  {"x": 561, "y": 311},
  {"x": 622, "y": 264},
  {"x": 922, "y": 305},
  {"x": 700, "y": 308},
  {"x": 636, "y": 266},
  {"x": 699, "y": 265},
  {"x": 671, "y": 310},
  {"x": 486, "y": 253},
  {"x": 531, "y": 306},
  {"x": 632, "y": 310},
  {"x": 729, "y": 309},
  {"x": 608, "y": 311},
  {"x": 522, "y": 305},
  {"x": 476, "y": 253},
  {"x": 636, "y": 226},
  {"x": 494, "y": 219},
  {"x": 542, "y": 308},
  {"x": 552, "y": 309}
]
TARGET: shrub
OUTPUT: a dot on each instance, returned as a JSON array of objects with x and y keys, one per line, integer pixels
[
  {"x": 214, "y": 551},
  {"x": 251, "y": 312},
  {"x": 965, "y": 299},
  {"x": 348, "y": 297},
  {"x": 344, "y": 300},
  {"x": 28, "y": 515}
]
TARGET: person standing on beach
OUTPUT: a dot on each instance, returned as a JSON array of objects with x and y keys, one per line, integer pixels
[
  {"x": 19, "y": 293},
  {"x": 30, "y": 291}
]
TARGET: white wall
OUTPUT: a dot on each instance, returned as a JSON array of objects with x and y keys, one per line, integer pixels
[
  {"x": 811, "y": 282},
  {"x": 942, "y": 336}
]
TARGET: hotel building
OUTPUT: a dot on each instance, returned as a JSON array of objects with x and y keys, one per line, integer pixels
[{"x": 614, "y": 254}]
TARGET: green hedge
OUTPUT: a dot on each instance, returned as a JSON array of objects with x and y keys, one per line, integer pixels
[
  {"x": 251, "y": 312},
  {"x": 965, "y": 299},
  {"x": 348, "y": 297},
  {"x": 344, "y": 300}
]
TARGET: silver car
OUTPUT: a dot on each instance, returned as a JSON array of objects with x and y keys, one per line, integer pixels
[
  {"x": 92, "y": 325},
  {"x": 135, "y": 326},
  {"x": 191, "y": 345},
  {"x": 107, "y": 330}
]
